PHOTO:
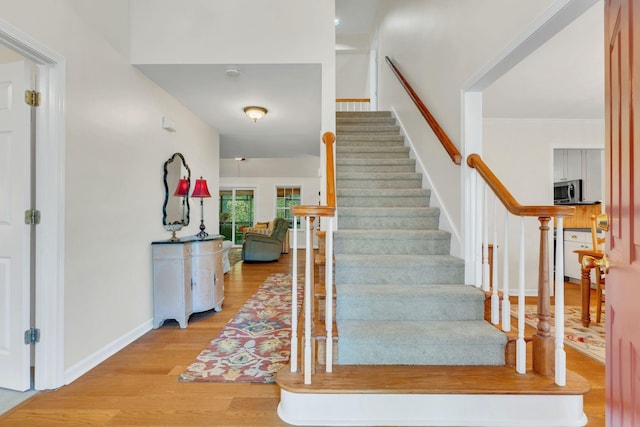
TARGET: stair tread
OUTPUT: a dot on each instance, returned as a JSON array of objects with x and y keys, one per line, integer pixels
[
  {"x": 385, "y": 259},
  {"x": 391, "y": 234},
  {"x": 378, "y": 175},
  {"x": 429, "y": 379},
  {"x": 388, "y": 211}
]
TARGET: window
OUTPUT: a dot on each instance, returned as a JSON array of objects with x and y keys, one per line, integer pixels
[
  {"x": 236, "y": 211},
  {"x": 285, "y": 198}
]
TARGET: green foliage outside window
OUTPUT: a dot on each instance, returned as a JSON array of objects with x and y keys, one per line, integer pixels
[
  {"x": 285, "y": 198},
  {"x": 244, "y": 212}
]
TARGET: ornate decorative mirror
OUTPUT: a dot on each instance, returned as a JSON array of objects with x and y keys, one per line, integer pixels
[{"x": 177, "y": 183}]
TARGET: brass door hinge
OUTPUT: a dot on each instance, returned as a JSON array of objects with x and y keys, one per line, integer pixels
[
  {"x": 32, "y": 98},
  {"x": 32, "y": 216}
]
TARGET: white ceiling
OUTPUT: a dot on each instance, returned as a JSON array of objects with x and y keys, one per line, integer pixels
[
  {"x": 563, "y": 79},
  {"x": 290, "y": 93}
]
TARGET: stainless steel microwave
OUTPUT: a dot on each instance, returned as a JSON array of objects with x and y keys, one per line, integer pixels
[{"x": 567, "y": 192}]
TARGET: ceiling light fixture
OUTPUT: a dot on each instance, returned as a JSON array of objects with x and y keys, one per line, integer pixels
[{"x": 255, "y": 113}]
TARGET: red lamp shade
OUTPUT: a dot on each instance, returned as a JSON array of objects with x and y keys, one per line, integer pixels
[
  {"x": 182, "y": 189},
  {"x": 200, "y": 189}
]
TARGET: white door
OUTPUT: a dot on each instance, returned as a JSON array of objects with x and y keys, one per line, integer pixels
[{"x": 15, "y": 193}]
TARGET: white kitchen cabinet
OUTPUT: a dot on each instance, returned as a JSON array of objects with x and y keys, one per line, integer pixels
[
  {"x": 187, "y": 278},
  {"x": 567, "y": 164},
  {"x": 585, "y": 164},
  {"x": 593, "y": 169},
  {"x": 575, "y": 240}
]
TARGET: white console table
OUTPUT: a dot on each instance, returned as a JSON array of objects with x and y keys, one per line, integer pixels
[{"x": 187, "y": 278}]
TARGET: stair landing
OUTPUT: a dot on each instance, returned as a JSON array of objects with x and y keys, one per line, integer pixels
[{"x": 359, "y": 395}]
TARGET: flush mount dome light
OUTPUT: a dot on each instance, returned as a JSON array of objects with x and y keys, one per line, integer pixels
[{"x": 255, "y": 113}]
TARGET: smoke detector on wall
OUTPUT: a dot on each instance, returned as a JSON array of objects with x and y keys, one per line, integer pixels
[{"x": 232, "y": 71}]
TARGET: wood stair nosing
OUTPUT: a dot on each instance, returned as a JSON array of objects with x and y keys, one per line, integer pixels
[{"x": 430, "y": 379}]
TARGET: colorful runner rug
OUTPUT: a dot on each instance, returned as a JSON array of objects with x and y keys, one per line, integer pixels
[
  {"x": 589, "y": 341},
  {"x": 235, "y": 256},
  {"x": 255, "y": 343}
]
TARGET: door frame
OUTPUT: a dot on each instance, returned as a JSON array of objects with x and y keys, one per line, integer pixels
[{"x": 50, "y": 200}]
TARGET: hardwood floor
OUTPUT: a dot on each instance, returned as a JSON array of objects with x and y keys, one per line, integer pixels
[{"x": 139, "y": 386}]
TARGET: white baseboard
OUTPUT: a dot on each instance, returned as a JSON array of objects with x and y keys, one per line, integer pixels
[
  {"x": 499, "y": 410},
  {"x": 93, "y": 360}
]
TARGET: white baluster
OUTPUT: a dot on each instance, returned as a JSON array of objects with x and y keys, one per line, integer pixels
[
  {"x": 506, "y": 304},
  {"x": 308, "y": 277},
  {"x": 521, "y": 345},
  {"x": 478, "y": 249},
  {"x": 294, "y": 300},
  {"x": 560, "y": 354},
  {"x": 472, "y": 254},
  {"x": 486, "y": 275},
  {"x": 328, "y": 310},
  {"x": 495, "y": 298}
]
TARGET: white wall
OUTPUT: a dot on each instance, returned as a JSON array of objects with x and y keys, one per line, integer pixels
[
  {"x": 533, "y": 141},
  {"x": 115, "y": 150},
  {"x": 308, "y": 167},
  {"x": 264, "y": 175},
  {"x": 352, "y": 75},
  {"x": 438, "y": 46}
]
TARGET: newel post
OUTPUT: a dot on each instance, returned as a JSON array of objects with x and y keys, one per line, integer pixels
[{"x": 543, "y": 343}]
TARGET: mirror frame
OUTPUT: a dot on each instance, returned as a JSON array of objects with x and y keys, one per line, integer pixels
[{"x": 185, "y": 220}]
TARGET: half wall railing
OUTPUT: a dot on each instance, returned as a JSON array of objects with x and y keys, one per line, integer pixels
[
  {"x": 353, "y": 104},
  {"x": 309, "y": 213}
]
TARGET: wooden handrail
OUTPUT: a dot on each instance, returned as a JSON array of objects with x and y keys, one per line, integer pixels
[
  {"x": 329, "y": 138},
  {"x": 512, "y": 205},
  {"x": 449, "y": 147}
]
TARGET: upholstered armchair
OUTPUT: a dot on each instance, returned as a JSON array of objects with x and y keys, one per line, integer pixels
[{"x": 265, "y": 247}]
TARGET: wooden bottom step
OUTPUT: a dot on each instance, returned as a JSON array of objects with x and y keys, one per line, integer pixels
[{"x": 430, "y": 396}]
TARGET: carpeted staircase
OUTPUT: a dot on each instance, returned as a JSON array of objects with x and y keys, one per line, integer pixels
[{"x": 400, "y": 294}]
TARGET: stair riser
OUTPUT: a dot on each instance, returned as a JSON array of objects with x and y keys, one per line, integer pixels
[
  {"x": 344, "y": 114},
  {"x": 373, "y": 155},
  {"x": 369, "y": 137},
  {"x": 363, "y": 121},
  {"x": 356, "y": 149},
  {"x": 375, "y": 162},
  {"x": 364, "y": 130},
  {"x": 342, "y": 169},
  {"x": 377, "y": 274},
  {"x": 392, "y": 246},
  {"x": 377, "y": 223},
  {"x": 378, "y": 176},
  {"x": 357, "y": 352},
  {"x": 359, "y": 307},
  {"x": 379, "y": 183},
  {"x": 381, "y": 202},
  {"x": 360, "y": 143}
]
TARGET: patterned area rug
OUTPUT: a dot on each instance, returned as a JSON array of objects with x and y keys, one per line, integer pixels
[
  {"x": 589, "y": 341},
  {"x": 255, "y": 343},
  {"x": 235, "y": 256}
]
